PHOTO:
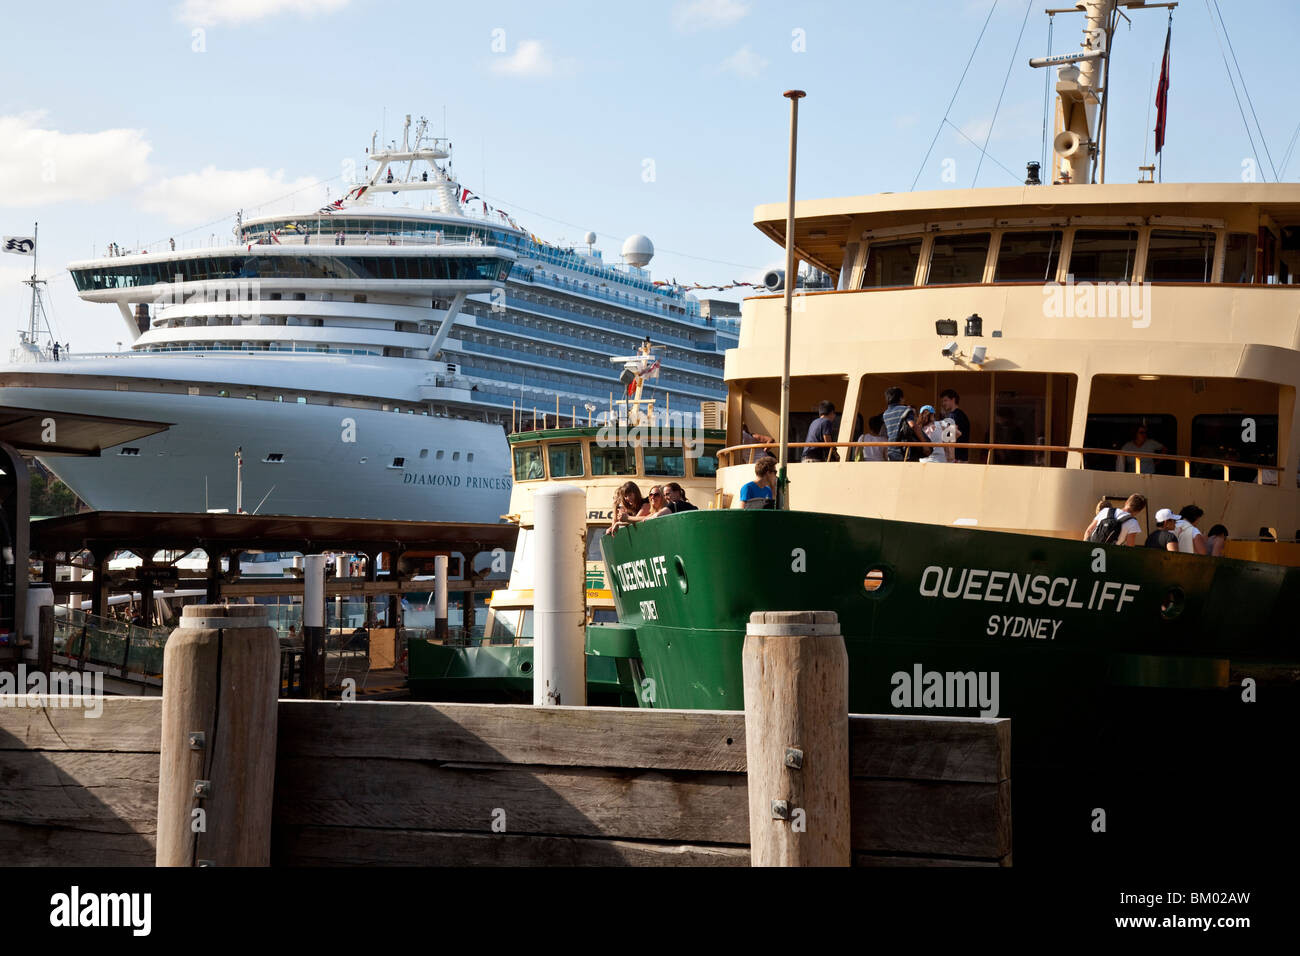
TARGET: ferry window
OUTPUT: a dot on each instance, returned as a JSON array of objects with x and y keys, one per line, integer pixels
[
  {"x": 424, "y": 453},
  {"x": 302, "y": 399},
  {"x": 1239, "y": 257},
  {"x": 616, "y": 460},
  {"x": 604, "y": 615},
  {"x": 958, "y": 258},
  {"x": 1028, "y": 256},
  {"x": 594, "y": 534},
  {"x": 1180, "y": 256},
  {"x": 566, "y": 460},
  {"x": 528, "y": 463},
  {"x": 891, "y": 263},
  {"x": 440, "y": 454},
  {"x": 274, "y": 457},
  {"x": 398, "y": 463},
  {"x": 1221, "y": 437},
  {"x": 505, "y": 625},
  {"x": 130, "y": 452},
  {"x": 1103, "y": 255},
  {"x": 1120, "y": 432},
  {"x": 665, "y": 461},
  {"x": 455, "y": 456},
  {"x": 706, "y": 466},
  {"x": 526, "y": 625}
]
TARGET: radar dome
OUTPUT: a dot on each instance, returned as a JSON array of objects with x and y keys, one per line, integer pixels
[
  {"x": 589, "y": 238},
  {"x": 638, "y": 251}
]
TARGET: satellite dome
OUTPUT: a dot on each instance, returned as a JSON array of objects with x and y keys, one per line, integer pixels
[
  {"x": 589, "y": 238},
  {"x": 638, "y": 251}
]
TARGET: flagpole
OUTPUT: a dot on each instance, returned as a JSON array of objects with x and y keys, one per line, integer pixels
[{"x": 782, "y": 483}]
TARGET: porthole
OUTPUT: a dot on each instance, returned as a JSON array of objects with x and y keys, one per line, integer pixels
[
  {"x": 878, "y": 580},
  {"x": 1174, "y": 603},
  {"x": 526, "y": 666}
]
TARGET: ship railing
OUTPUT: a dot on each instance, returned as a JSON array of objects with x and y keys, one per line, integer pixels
[
  {"x": 1265, "y": 474},
  {"x": 322, "y": 238}
]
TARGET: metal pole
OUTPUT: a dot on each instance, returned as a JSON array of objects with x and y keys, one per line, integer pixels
[{"x": 782, "y": 485}]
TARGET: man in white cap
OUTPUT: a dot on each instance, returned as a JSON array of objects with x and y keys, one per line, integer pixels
[{"x": 1164, "y": 537}]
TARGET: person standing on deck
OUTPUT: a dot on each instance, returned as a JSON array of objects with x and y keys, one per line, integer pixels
[
  {"x": 948, "y": 403},
  {"x": 1190, "y": 538},
  {"x": 1164, "y": 537},
  {"x": 1144, "y": 445},
  {"x": 895, "y": 414},
  {"x": 821, "y": 430}
]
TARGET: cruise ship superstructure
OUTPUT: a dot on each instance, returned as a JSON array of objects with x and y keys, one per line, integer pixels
[{"x": 362, "y": 359}]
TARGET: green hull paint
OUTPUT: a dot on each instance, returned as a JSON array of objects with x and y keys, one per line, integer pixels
[
  {"x": 689, "y": 583},
  {"x": 502, "y": 673}
]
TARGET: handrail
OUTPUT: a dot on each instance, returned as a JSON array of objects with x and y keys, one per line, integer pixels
[{"x": 727, "y": 454}]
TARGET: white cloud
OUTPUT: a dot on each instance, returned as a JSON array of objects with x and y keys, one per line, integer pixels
[
  {"x": 209, "y": 12},
  {"x": 529, "y": 59},
  {"x": 194, "y": 198},
  {"x": 744, "y": 62},
  {"x": 693, "y": 15},
  {"x": 40, "y": 166}
]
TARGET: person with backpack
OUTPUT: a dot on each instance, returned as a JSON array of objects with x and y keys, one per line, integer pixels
[
  {"x": 1117, "y": 525},
  {"x": 898, "y": 417}
]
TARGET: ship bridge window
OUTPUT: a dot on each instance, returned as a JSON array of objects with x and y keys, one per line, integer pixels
[
  {"x": 958, "y": 259},
  {"x": 613, "y": 460},
  {"x": 1239, "y": 257},
  {"x": 130, "y": 452},
  {"x": 274, "y": 458},
  {"x": 891, "y": 263},
  {"x": 528, "y": 463},
  {"x": 670, "y": 462},
  {"x": 1103, "y": 255},
  {"x": 1180, "y": 256},
  {"x": 398, "y": 463},
  {"x": 565, "y": 460},
  {"x": 1028, "y": 256}
]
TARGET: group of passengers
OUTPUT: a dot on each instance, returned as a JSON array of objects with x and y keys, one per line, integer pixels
[
  {"x": 933, "y": 433},
  {"x": 630, "y": 507},
  {"x": 1173, "y": 532}
]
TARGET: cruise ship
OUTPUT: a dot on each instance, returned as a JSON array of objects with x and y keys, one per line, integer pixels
[{"x": 364, "y": 359}]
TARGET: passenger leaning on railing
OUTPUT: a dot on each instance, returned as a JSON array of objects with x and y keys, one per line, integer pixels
[{"x": 821, "y": 430}]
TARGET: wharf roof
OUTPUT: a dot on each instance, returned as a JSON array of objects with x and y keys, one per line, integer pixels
[{"x": 156, "y": 531}]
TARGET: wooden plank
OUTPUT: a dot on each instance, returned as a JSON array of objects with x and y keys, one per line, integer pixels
[
  {"x": 111, "y": 793},
  {"x": 29, "y": 845},
  {"x": 406, "y": 794},
  {"x": 125, "y": 725},
  {"x": 348, "y": 846},
  {"x": 510, "y": 733},
  {"x": 975, "y": 750},
  {"x": 942, "y": 819}
]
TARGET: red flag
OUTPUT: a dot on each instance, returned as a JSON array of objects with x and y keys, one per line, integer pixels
[{"x": 1162, "y": 95}]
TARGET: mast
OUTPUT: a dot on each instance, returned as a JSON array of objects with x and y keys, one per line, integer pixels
[
  {"x": 38, "y": 306},
  {"x": 1082, "y": 87},
  {"x": 794, "y": 96}
]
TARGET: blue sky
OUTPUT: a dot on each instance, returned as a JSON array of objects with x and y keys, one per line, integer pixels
[{"x": 118, "y": 122}]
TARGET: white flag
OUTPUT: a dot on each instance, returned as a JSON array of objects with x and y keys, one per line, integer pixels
[{"x": 20, "y": 245}]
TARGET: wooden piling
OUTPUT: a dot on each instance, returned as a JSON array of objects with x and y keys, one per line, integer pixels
[
  {"x": 45, "y": 639},
  {"x": 217, "y": 763},
  {"x": 796, "y": 677}
]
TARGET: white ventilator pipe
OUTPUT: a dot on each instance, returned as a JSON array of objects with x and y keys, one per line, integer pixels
[
  {"x": 440, "y": 597},
  {"x": 559, "y": 596},
  {"x": 313, "y": 596}
]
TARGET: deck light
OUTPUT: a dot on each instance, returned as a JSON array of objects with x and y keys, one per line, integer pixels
[
  {"x": 974, "y": 324},
  {"x": 951, "y": 350},
  {"x": 978, "y": 354},
  {"x": 945, "y": 326}
]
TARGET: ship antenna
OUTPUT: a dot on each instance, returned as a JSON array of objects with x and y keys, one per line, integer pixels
[{"x": 783, "y": 491}]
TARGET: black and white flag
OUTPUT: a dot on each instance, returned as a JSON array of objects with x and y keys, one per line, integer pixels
[{"x": 20, "y": 245}]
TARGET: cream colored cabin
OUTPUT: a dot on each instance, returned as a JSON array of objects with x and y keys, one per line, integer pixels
[{"x": 1101, "y": 308}]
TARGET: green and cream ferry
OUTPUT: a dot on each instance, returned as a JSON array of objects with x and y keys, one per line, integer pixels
[{"x": 1103, "y": 340}]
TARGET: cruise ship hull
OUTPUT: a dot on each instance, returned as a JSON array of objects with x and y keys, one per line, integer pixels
[{"x": 451, "y": 470}]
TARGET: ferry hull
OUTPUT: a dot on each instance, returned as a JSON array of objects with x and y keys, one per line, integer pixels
[{"x": 1160, "y": 701}]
